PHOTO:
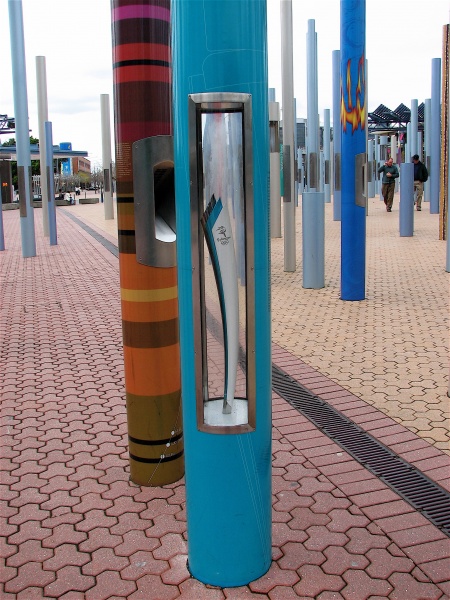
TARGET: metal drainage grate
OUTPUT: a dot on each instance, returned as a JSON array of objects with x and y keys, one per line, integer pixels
[{"x": 412, "y": 485}]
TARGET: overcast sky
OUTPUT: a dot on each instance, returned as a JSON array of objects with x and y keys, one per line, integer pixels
[{"x": 402, "y": 37}]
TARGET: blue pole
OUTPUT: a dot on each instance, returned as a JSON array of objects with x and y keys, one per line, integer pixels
[
  {"x": 435, "y": 163},
  {"x": 406, "y": 208},
  {"x": 50, "y": 183},
  {"x": 353, "y": 116},
  {"x": 228, "y": 475},
  {"x": 336, "y": 64},
  {"x": 22, "y": 127}
]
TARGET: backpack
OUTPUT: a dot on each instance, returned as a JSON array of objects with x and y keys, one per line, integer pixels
[{"x": 424, "y": 173}]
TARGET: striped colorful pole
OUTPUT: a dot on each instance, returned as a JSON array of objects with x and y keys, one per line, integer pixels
[{"x": 142, "y": 107}]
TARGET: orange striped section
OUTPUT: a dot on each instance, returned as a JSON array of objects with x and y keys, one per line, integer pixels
[
  {"x": 143, "y": 312},
  {"x": 142, "y": 51},
  {"x": 144, "y": 373},
  {"x": 143, "y": 73},
  {"x": 125, "y": 221},
  {"x": 134, "y": 276}
]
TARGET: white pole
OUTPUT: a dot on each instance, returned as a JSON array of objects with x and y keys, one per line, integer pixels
[
  {"x": 106, "y": 156},
  {"x": 287, "y": 72},
  {"x": 326, "y": 154},
  {"x": 412, "y": 140},
  {"x": 42, "y": 103}
]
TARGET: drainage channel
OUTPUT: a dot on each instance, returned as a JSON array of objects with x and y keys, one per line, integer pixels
[
  {"x": 404, "y": 479},
  {"x": 412, "y": 485}
]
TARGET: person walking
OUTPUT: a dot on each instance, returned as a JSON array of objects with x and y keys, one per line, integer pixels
[
  {"x": 390, "y": 174},
  {"x": 420, "y": 176}
]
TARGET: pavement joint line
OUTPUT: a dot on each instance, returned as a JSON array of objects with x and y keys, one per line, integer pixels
[{"x": 113, "y": 248}]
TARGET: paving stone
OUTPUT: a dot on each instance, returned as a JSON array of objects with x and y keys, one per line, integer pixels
[
  {"x": 406, "y": 586},
  {"x": 29, "y": 575},
  {"x": 69, "y": 579},
  {"x": 359, "y": 584},
  {"x": 438, "y": 570},
  {"x": 178, "y": 571},
  {"x": 361, "y": 540},
  {"x": 417, "y": 535},
  {"x": 274, "y": 577},
  {"x": 65, "y": 555},
  {"x": 383, "y": 564},
  {"x": 339, "y": 561},
  {"x": 320, "y": 538},
  {"x": 153, "y": 584},
  {"x": 313, "y": 581},
  {"x": 104, "y": 559},
  {"x": 30, "y": 551}
]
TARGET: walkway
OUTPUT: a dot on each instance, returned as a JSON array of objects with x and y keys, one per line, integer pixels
[{"x": 75, "y": 527}]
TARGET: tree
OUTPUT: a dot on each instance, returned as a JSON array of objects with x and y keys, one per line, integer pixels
[{"x": 35, "y": 164}]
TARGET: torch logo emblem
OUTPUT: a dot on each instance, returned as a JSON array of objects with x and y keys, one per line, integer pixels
[{"x": 355, "y": 115}]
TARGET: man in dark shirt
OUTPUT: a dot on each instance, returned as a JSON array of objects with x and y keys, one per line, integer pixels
[
  {"x": 420, "y": 176},
  {"x": 390, "y": 174}
]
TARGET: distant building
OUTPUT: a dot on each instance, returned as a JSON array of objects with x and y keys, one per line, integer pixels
[{"x": 81, "y": 166}]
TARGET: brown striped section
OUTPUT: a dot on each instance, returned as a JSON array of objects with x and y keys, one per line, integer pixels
[
  {"x": 150, "y": 335},
  {"x": 142, "y": 103}
]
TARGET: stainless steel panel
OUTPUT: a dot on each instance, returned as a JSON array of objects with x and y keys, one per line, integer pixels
[
  {"x": 337, "y": 171},
  {"x": 154, "y": 201},
  {"x": 360, "y": 179}
]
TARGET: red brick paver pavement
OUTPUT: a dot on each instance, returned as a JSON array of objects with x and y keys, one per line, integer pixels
[{"x": 74, "y": 527}]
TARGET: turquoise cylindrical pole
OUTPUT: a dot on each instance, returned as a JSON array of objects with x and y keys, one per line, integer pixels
[
  {"x": 228, "y": 476},
  {"x": 353, "y": 228},
  {"x": 22, "y": 127},
  {"x": 336, "y": 65},
  {"x": 435, "y": 176},
  {"x": 406, "y": 208},
  {"x": 50, "y": 183}
]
